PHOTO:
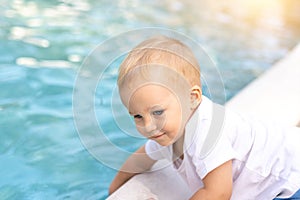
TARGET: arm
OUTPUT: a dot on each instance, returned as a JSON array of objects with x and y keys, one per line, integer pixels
[
  {"x": 217, "y": 184},
  {"x": 137, "y": 163}
]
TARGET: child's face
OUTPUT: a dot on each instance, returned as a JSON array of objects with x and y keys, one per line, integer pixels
[{"x": 158, "y": 114}]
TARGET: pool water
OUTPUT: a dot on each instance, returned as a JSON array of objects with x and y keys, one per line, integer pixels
[{"x": 43, "y": 43}]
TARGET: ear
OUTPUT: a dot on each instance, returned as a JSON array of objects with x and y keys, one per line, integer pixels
[{"x": 196, "y": 96}]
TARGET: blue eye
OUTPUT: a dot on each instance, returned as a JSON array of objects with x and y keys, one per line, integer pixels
[{"x": 158, "y": 112}]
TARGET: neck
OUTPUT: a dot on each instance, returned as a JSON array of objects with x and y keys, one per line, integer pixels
[
  {"x": 178, "y": 148},
  {"x": 178, "y": 145}
]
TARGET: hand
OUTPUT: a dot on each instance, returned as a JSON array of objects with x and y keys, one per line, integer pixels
[{"x": 137, "y": 163}]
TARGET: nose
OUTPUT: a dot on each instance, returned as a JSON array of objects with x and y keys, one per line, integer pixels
[{"x": 150, "y": 126}]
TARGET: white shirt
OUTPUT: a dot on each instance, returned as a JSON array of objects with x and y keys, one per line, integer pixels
[{"x": 265, "y": 158}]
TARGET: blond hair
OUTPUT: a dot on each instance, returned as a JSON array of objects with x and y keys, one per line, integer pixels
[{"x": 165, "y": 51}]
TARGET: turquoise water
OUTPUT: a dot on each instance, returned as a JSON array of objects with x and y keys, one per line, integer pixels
[{"x": 42, "y": 45}]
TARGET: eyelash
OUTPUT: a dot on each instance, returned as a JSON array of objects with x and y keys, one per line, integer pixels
[
  {"x": 157, "y": 112},
  {"x": 137, "y": 116}
]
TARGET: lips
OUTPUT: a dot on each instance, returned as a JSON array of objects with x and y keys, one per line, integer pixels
[{"x": 156, "y": 136}]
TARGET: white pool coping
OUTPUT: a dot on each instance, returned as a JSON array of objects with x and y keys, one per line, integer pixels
[{"x": 274, "y": 96}]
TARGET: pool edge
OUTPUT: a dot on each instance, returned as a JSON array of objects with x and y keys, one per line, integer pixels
[{"x": 275, "y": 95}]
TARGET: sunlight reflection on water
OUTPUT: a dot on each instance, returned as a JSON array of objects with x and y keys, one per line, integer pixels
[{"x": 42, "y": 44}]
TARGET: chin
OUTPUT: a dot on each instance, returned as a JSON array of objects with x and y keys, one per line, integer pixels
[{"x": 165, "y": 143}]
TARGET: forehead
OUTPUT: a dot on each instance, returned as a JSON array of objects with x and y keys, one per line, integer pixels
[
  {"x": 150, "y": 96},
  {"x": 168, "y": 79},
  {"x": 151, "y": 93}
]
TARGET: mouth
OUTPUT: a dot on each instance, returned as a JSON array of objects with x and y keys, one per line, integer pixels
[{"x": 157, "y": 136}]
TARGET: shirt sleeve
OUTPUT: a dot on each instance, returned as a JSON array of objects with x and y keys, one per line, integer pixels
[
  {"x": 221, "y": 153},
  {"x": 156, "y": 151}
]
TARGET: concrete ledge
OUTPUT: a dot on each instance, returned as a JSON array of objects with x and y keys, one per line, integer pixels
[
  {"x": 273, "y": 96},
  {"x": 161, "y": 184}
]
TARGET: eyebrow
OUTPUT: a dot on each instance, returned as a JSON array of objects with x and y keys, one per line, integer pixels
[
  {"x": 151, "y": 108},
  {"x": 157, "y": 107}
]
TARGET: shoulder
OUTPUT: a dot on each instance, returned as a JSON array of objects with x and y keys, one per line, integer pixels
[
  {"x": 211, "y": 145},
  {"x": 211, "y": 125}
]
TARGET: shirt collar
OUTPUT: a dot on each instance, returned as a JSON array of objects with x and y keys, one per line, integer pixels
[
  {"x": 204, "y": 128},
  {"x": 193, "y": 126}
]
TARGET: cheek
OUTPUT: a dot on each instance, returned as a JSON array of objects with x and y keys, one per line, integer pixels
[
  {"x": 173, "y": 123},
  {"x": 177, "y": 117},
  {"x": 140, "y": 130},
  {"x": 176, "y": 124}
]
